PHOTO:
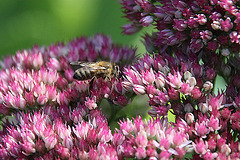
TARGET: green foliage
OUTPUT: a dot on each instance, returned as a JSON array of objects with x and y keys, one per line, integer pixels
[{"x": 26, "y": 23}]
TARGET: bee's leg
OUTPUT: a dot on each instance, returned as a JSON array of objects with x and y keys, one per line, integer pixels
[
  {"x": 90, "y": 88},
  {"x": 121, "y": 74},
  {"x": 107, "y": 78}
]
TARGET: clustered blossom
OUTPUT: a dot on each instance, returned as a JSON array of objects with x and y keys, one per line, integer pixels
[
  {"x": 41, "y": 136},
  {"x": 167, "y": 87},
  {"x": 153, "y": 140},
  {"x": 57, "y": 117},
  {"x": 210, "y": 122},
  {"x": 211, "y": 129},
  {"x": 42, "y": 75},
  {"x": 211, "y": 24},
  {"x": 207, "y": 28}
]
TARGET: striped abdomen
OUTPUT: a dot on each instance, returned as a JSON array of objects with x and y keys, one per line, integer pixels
[{"x": 86, "y": 73}]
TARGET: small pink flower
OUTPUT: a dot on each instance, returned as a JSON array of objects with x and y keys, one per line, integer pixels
[
  {"x": 50, "y": 141},
  {"x": 227, "y": 24},
  {"x": 148, "y": 76},
  {"x": 63, "y": 152},
  {"x": 126, "y": 127},
  {"x": 201, "y": 19},
  {"x": 210, "y": 156},
  {"x": 140, "y": 153},
  {"x": 213, "y": 124},
  {"x": 141, "y": 140},
  {"x": 165, "y": 155},
  {"x": 189, "y": 117},
  {"x": 173, "y": 94},
  {"x": 91, "y": 103},
  {"x": 54, "y": 64},
  {"x": 200, "y": 146},
  {"x": 206, "y": 35},
  {"x": 28, "y": 147},
  {"x": 185, "y": 88},
  {"x": 139, "y": 89},
  {"x": 235, "y": 37},
  {"x": 42, "y": 99},
  {"x": 175, "y": 80},
  {"x": 195, "y": 93},
  {"x": 202, "y": 129}
]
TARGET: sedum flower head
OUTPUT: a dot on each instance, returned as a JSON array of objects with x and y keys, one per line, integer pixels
[
  {"x": 42, "y": 75},
  {"x": 206, "y": 29},
  {"x": 39, "y": 135},
  {"x": 153, "y": 139},
  {"x": 168, "y": 88},
  {"x": 197, "y": 24}
]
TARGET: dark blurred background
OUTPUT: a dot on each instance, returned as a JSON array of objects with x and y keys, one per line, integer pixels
[{"x": 24, "y": 23}]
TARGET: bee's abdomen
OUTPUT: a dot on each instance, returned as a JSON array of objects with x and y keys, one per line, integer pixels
[{"x": 83, "y": 74}]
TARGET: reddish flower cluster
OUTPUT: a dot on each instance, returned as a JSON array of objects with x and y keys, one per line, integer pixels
[
  {"x": 62, "y": 118},
  {"x": 201, "y": 27},
  {"x": 43, "y": 75},
  {"x": 41, "y": 136},
  {"x": 177, "y": 88},
  {"x": 69, "y": 125},
  {"x": 201, "y": 24},
  {"x": 210, "y": 122}
]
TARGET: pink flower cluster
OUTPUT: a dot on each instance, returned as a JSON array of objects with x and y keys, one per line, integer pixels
[
  {"x": 169, "y": 88},
  {"x": 43, "y": 75},
  {"x": 57, "y": 117},
  {"x": 193, "y": 42},
  {"x": 42, "y": 136},
  {"x": 63, "y": 119},
  {"x": 210, "y": 122},
  {"x": 207, "y": 28},
  {"x": 87, "y": 136},
  {"x": 201, "y": 24}
]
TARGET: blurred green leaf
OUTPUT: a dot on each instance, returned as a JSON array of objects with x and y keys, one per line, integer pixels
[{"x": 26, "y": 23}]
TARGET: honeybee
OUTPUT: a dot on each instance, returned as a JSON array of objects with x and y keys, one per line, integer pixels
[{"x": 91, "y": 70}]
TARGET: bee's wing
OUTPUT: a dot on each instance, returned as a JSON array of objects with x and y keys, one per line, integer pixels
[{"x": 78, "y": 64}]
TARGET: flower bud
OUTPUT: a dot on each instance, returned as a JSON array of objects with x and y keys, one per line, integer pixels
[
  {"x": 189, "y": 117},
  {"x": 188, "y": 107},
  {"x": 225, "y": 52},
  {"x": 203, "y": 107},
  {"x": 196, "y": 93},
  {"x": 138, "y": 89},
  {"x": 208, "y": 86},
  {"x": 187, "y": 75}
]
